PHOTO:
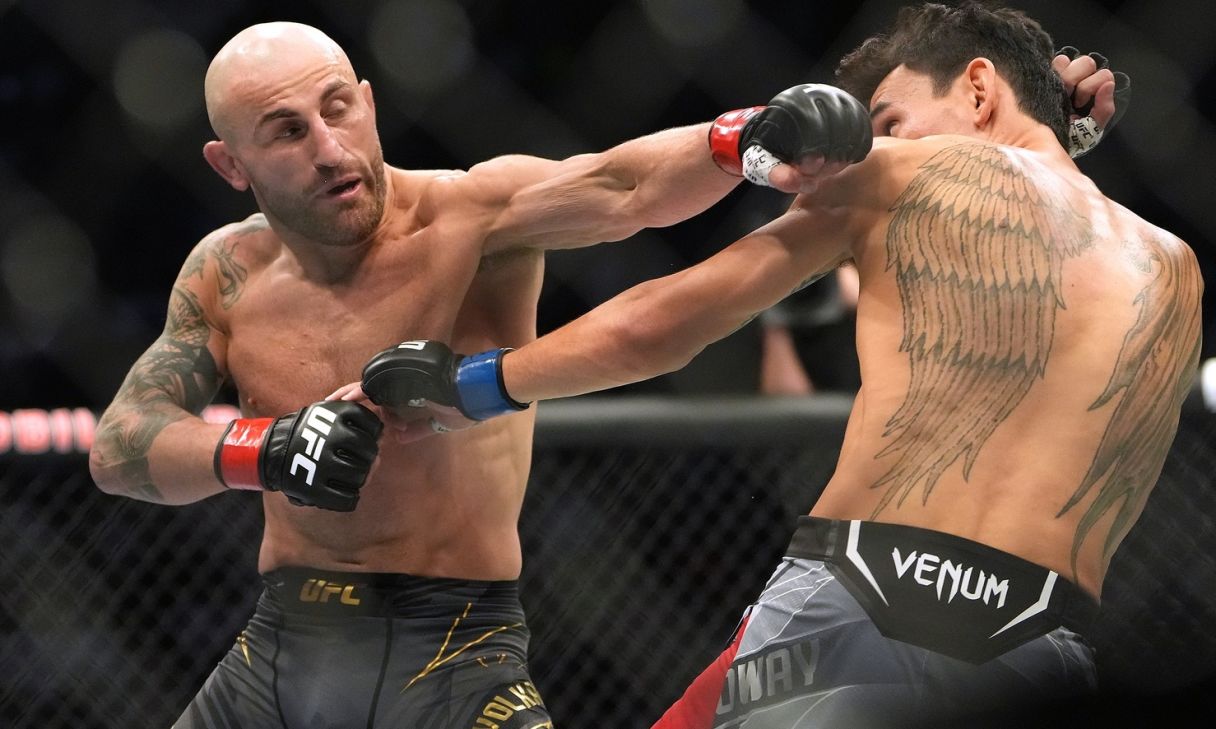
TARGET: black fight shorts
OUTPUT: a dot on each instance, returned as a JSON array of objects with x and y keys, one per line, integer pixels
[
  {"x": 325, "y": 650},
  {"x": 867, "y": 625},
  {"x": 942, "y": 592}
]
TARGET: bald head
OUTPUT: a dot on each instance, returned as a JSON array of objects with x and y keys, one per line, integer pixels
[{"x": 263, "y": 57}]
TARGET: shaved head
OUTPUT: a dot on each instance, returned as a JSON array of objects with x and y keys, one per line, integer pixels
[
  {"x": 259, "y": 59},
  {"x": 298, "y": 128}
]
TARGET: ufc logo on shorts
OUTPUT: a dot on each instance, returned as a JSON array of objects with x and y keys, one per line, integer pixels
[{"x": 318, "y": 425}]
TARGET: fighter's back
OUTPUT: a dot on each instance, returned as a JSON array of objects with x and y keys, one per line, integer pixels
[{"x": 1025, "y": 344}]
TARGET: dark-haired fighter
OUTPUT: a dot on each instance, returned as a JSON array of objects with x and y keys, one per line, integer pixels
[{"x": 1025, "y": 345}]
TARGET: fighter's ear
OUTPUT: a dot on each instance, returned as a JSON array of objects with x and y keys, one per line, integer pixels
[
  {"x": 365, "y": 88},
  {"x": 981, "y": 86},
  {"x": 225, "y": 165}
]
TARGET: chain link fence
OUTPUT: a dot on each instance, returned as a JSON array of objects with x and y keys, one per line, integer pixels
[{"x": 648, "y": 526}]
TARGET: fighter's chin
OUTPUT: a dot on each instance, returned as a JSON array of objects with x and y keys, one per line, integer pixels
[
  {"x": 346, "y": 232},
  {"x": 350, "y": 224}
]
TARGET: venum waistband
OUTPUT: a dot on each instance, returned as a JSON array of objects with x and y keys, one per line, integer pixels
[
  {"x": 349, "y": 594},
  {"x": 938, "y": 591}
]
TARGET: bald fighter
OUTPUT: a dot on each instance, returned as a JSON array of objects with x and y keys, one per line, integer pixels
[
  {"x": 1025, "y": 345},
  {"x": 390, "y": 596}
]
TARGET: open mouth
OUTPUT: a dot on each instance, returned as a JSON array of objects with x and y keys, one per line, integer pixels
[{"x": 345, "y": 187}]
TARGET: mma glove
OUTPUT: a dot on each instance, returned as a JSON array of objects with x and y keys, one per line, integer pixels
[
  {"x": 418, "y": 371},
  {"x": 809, "y": 119},
  {"x": 319, "y": 456},
  {"x": 1084, "y": 132}
]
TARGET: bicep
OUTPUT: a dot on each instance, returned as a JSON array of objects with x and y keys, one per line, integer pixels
[{"x": 530, "y": 202}]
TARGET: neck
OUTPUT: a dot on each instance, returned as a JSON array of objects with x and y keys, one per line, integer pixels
[
  {"x": 328, "y": 264},
  {"x": 1029, "y": 134}
]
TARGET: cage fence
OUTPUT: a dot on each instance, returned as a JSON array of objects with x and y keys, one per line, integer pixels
[{"x": 649, "y": 525}]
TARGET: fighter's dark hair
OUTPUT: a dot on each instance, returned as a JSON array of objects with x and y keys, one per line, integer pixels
[{"x": 939, "y": 41}]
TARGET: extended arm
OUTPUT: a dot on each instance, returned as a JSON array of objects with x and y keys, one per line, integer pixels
[
  {"x": 653, "y": 328},
  {"x": 659, "y": 326},
  {"x": 663, "y": 178}
]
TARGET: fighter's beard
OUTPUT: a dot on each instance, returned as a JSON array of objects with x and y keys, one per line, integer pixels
[{"x": 347, "y": 226}]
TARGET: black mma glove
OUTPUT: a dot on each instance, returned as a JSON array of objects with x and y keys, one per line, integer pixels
[
  {"x": 809, "y": 119},
  {"x": 319, "y": 456},
  {"x": 417, "y": 371},
  {"x": 1084, "y": 132}
]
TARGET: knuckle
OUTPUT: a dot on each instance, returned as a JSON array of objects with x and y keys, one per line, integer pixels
[{"x": 1084, "y": 64}]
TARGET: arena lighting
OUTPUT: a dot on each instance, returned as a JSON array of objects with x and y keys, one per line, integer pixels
[{"x": 1207, "y": 384}]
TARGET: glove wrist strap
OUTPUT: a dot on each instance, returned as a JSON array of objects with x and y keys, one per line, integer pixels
[
  {"x": 480, "y": 387},
  {"x": 237, "y": 453},
  {"x": 724, "y": 138}
]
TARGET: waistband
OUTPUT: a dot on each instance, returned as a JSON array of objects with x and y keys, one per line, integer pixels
[
  {"x": 383, "y": 594},
  {"x": 904, "y": 575}
]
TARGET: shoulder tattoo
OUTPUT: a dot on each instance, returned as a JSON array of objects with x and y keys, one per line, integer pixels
[{"x": 978, "y": 251}]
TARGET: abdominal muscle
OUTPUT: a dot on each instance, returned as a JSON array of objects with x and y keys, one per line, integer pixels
[{"x": 445, "y": 506}]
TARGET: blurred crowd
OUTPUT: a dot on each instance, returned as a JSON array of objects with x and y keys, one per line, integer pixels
[{"x": 103, "y": 188}]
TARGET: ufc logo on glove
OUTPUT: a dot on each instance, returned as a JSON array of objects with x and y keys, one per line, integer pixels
[{"x": 317, "y": 426}]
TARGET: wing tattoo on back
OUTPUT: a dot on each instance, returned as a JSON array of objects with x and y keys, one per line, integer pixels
[
  {"x": 1154, "y": 372},
  {"x": 978, "y": 251}
]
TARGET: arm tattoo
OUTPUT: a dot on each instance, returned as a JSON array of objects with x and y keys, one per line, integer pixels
[
  {"x": 1154, "y": 371},
  {"x": 232, "y": 274},
  {"x": 176, "y": 376},
  {"x": 805, "y": 282},
  {"x": 978, "y": 252}
]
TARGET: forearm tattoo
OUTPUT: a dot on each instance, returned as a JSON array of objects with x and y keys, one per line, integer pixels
[
  {"x": 977, "y": 252},
  {"x": 802, "y": 285}
]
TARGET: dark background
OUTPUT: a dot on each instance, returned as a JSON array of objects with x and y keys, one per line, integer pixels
[
  {"x": 103, "y": 191},
  {"x": 103, "y": 188}
]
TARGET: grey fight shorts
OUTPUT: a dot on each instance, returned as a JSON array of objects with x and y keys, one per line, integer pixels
[
  {"x": 335, "y": 649},
  {"x": 872, "y": 625}
]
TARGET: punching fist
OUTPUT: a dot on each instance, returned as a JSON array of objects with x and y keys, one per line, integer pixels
[
  {"x": 417, "y": 372},
  {"x": 319, "y": 456},
  {"x": 806, "y": 120}
]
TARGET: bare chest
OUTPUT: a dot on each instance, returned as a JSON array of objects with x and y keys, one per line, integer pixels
[{"x": 292, "y": 342}]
